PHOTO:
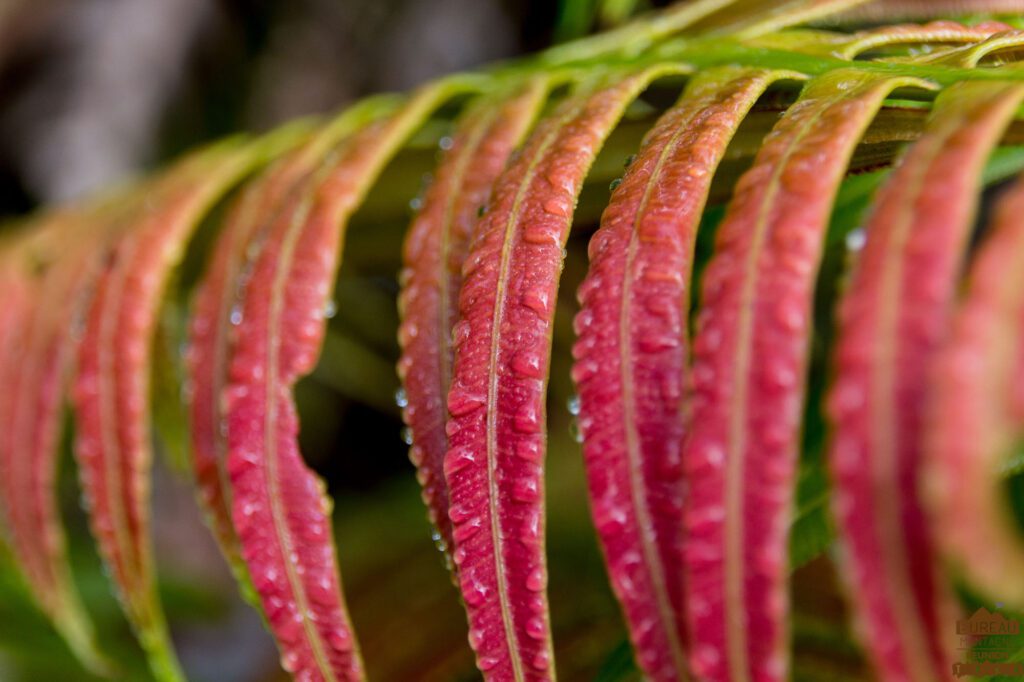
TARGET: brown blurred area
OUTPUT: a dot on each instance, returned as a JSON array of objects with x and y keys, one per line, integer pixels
[{"x": 92, "y": 91}]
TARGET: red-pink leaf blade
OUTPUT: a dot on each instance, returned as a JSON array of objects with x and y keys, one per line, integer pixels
[
  {"x": 494, "y": 466},
  {"x": 111, "y": 392},
  {"x": 976, "y": 411},
  {"x": 750, "y": 357},
  {"x": 34, "y": 427},
  {"x": 632, "y": 351},
  {"x": 211, "y": 328},
  {"x": 279, "y": 508},
  {"x": 891, "y": 320},
  {"x": 435, "y": 250}
]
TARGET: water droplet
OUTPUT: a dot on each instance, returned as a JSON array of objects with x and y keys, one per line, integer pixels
[
  {"x": 542, "y": 661},
  {"x": 458, "y": 459},
  {"x": 476, "y": 637},
  {"x": 575, "y": 432},
  {"x": 488, "y": 663},
  {"x": 527, "y": 419},
  {"x": 538, "y": 236},
  {"x": 584, "y": 370},
  {"x": 340, "y": 639},
  {"x": 537, "y": 580},
  {"x": 538, "y": 300},
  {"x": 461, "y": 332},
  {"x": 535, "y": 628},
  {"x": 629, "y": 161},
  {"x": 459, "y": 513},
  {"x": 528, "y": 364},
  {"x": 445, "y": 143},
  {"x": 609, "y": 517},
  {"x": 790, "y": 315},
  {"x": 614, "y": 184},
  {"x": 467, "y": 529},
  {"x": 574, "y": 405},
  {"x": 481, "y": 211},
  {"x": 407, "y": 331},
  {"x": 290, "y": 661},
  {"x": 705, "y": 659},
  {"x": 461, "y": 402},
  {"x": 474, "y": 591},
  {"x": 655, "y": 343},
  {"x": 714, "y": 455},
  {"x": 330, "y": 310},
  {"x": 556, "y": 207},
  {"x": 407, "y": 435},
  {"x": 528, "y": 450},
  {"x": 236, "y": 315},
  {"x": 439, "y": 542},
  {"x": 401, "y": 399},
  {"x": 415, "y": 204},
  {"x": 583, "y": 321},
  {"x": 856, "y": 239},
  {"x": 530, "y": 532},
  {"x": 711, "y": 514},
  {"x": 252, "y": 250},
  {"x": 525, "y": 490}
]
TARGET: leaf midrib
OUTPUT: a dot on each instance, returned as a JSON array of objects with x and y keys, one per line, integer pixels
[
  {"x": 282, "y": 532},
  {"x": 636, "y": 478},
  {"x": 511, "y": 224},
  {"x": 734, "y": 589},
  {"x": 445, "y": 316}
]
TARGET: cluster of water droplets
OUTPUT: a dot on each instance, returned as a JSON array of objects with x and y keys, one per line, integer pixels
[{"x": 402, "y": 401}]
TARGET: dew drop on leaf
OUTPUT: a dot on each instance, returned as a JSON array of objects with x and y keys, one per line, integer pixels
[
  {"x": 575, "y": 431},
  {"x": 439, "y": 542},
  {"x": 855, "y": 239}
]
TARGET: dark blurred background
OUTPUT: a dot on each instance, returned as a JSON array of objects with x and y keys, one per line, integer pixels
[{"x": 92, "y": 90}]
